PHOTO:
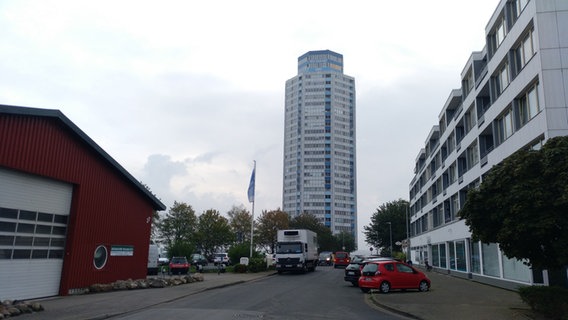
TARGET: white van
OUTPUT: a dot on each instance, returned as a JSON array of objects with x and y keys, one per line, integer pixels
[{"x": 153, "y": 255}]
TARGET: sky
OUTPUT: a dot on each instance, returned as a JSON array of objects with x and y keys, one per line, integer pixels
[{"x": 185, "y": 95}]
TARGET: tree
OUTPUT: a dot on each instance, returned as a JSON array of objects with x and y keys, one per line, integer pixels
[
  {"x": 240, "y": 220},
  {"x": 378, "y": 232},
  {"x": 213, "y": 232},
  {"x": 267, "y": 225},
  {"x": 326, "y": 240},
  {"x": 178, "y": 226},
  {"x": 522, "y": 204},
  {"x": 344, "y": 241}
]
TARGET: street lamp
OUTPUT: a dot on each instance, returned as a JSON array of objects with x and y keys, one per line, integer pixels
[{"x": 390, "y": 232}]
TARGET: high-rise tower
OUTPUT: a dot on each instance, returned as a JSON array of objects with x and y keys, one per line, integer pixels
[{"x": 319, "y": 143}]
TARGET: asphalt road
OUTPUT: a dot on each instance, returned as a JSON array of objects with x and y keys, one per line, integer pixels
[{"x": 322, "y": 294}]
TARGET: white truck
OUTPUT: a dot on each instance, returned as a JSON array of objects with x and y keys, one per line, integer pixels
[
  {"x": 296, "y": 250},
  {"x": 153, "y": 255}
]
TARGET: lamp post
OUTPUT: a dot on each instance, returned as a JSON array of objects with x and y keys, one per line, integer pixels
[{"x": 390, "y": 232}]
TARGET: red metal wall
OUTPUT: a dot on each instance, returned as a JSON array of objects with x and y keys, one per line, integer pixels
[{"x": 107, "y": 209}]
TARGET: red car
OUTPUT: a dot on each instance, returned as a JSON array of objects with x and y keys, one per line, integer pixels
[
  {"x": 179, "y": 265},
  {"x": 341, "y": 259},
  {"x": 389, "y": 275}
]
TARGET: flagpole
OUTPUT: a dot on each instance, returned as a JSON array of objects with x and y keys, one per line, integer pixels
[{"x": 252, "y": 185}]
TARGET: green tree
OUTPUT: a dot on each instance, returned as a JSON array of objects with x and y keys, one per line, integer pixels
[
  {"x": 522, "y": 204},
  {"x": 390, "y": 216},
  {"x": 178, "y": 226},
  {"x": 240, "y": 220},
  {"x": 326, "y": 240},
  {"x": 344, "y": 241},
  {"x": 213, "y": 232},
  {"x": 268, "y": 223}
]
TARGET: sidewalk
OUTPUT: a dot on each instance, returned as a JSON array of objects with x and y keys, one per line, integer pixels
[
  {"x": 104, "y": 305},
  {"x": 455, "y": 298}
]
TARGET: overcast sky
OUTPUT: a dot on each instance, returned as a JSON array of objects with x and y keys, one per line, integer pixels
[{"x": 186, "y": 94}]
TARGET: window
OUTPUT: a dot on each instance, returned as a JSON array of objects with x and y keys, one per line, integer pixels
[
  {"x": 472, "y": 155},
  {"x": 524, "y": 51},
  {"x": 505, "y": 126},
  {"x": 100, "y": 257},
  {"x": 503, "y": 77},
  {"x": 520, "y": 6},
  {"x": 500, "y": 31},
  {"x": 527, "y": 105}
]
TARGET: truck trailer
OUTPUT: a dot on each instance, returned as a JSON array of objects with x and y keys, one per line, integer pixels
[{"x": 296, "y": 250}]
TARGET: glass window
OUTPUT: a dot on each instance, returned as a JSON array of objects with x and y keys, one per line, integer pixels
[
  {"x": 42, "y": 229},
  {"x": 475, "y": 258},
  {"x": 5, "y": 253},
  {"x": 490, "y": 254},
  {"x": 404, "y": 268},
  {"x": 8, "y": 213},
  {"x": 527, "y": 106},
  {"x": 39, "y": 254},
  {"x": 452, "y": 248},
  {"x": 27, "y": 215},
  {"x": 45, "y": 217},
  {"x": 8, "y": 227},
  {"x": 435, "y": 256},
  {"x": 514, "y": 269},
  {"x": 6, "y": 240},
  {"x": 500, "y": 32},
  {"x": 41, "y": 242},
  {"x": 100, "y": 257},
  {"x": 26, "y": 228},
  {"x": 24, "y": 241},
  {"x": 389, "y": 267},
  {"x": 21, "y": 254},
  {"x": 461, "y": 262}
]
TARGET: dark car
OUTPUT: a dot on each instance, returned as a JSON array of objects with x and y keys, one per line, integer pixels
[
  {"x": 198, "y": 260},
  {"x": 389, "y": 275},
  {"x": 353, "y": 270},
  {"x": 325, "y": 258},
  {"x": 179, "y": 265}
]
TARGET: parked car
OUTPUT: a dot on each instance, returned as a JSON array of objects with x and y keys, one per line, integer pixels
[
  {"x": 392, "y": 274},
  {"x": 353, "y": 270},
  {"x": 341, "y": 259},
  {"x": 222, "y": 258},
  {"x": 163, "y": 261},
  {"x": 179, "y": 265},
  {"x": 325, "y": 258},
  {"x": 198, "y": 259}
]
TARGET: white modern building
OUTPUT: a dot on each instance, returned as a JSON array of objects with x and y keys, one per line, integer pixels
[
  {"x": 513, "y": 95},
  {"x": 319, "y": 143}
]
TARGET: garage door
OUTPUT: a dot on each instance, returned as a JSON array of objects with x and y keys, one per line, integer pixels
[{"x": 33, "y": 225}]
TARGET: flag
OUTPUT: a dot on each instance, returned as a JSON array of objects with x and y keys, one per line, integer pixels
[{"x": 251, "y": 186}]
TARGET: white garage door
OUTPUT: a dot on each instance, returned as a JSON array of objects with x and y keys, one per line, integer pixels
[{"x": 33, "y": 225}]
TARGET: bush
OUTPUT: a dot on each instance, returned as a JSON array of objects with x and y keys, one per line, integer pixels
[
  {"x": 257, "y": 264},
  {"x": 240, "y": 268},
  {"x": 549, "y": 301}
]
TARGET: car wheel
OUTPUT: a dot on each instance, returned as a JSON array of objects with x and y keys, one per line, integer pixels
[
  {"x": 385, "y": 287},
  {"x": 423, "y": 287},
  {"x": 355, "y": 284},
  {"x": 365, "y": 290}
]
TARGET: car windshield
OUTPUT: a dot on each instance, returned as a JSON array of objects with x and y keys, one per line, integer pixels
[
  {"x": 289, "y": 248},
  {"x": 341, "y": 255},
  {"x": 178, "y": 260}
]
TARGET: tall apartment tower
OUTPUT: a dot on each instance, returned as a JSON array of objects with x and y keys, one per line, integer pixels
[{"x": 319, "y": 143}]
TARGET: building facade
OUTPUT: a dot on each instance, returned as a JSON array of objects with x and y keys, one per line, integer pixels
[
  {"x": 70, "y": 215},
  {"x": 513, "y": 95},
  {"x": 319, "y": 143}
]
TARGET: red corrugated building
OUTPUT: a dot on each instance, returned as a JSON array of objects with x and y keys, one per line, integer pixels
[{"x": 70, "y": 215}]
